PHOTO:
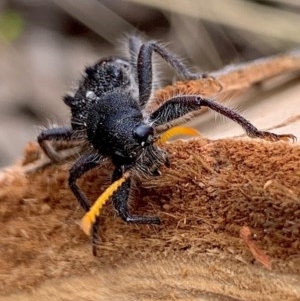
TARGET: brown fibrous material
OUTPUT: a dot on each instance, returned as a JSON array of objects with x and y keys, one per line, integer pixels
[{"x": 211, "y": 192}]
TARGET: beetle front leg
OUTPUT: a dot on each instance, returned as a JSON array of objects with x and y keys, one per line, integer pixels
[
  {"x": 120, "y": 203},
  {"x": 176, "y": 109},
  {"x": 83, "y": 165},
  {"x": 144, "y": 68},
  {"x": 55, "y": 134},
  {"x": 119, "y": 191},
  {"x": 60, "y": 134}
]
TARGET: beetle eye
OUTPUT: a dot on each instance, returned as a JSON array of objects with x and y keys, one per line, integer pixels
[{"x": 142, "y": 133}]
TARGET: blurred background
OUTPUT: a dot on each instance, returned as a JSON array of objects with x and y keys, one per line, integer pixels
[{"x": 44, "y": 46}]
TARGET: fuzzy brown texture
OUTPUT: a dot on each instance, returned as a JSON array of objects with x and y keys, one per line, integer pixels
[{"x": 227, "y": 206}]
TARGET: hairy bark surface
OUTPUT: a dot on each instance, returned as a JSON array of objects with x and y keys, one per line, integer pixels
[{"x": 214, "y": 192}]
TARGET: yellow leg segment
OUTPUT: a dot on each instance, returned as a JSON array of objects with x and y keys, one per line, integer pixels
[
  {"x": 177, "y": 130},
  {"x": 90, "y": 217}
]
